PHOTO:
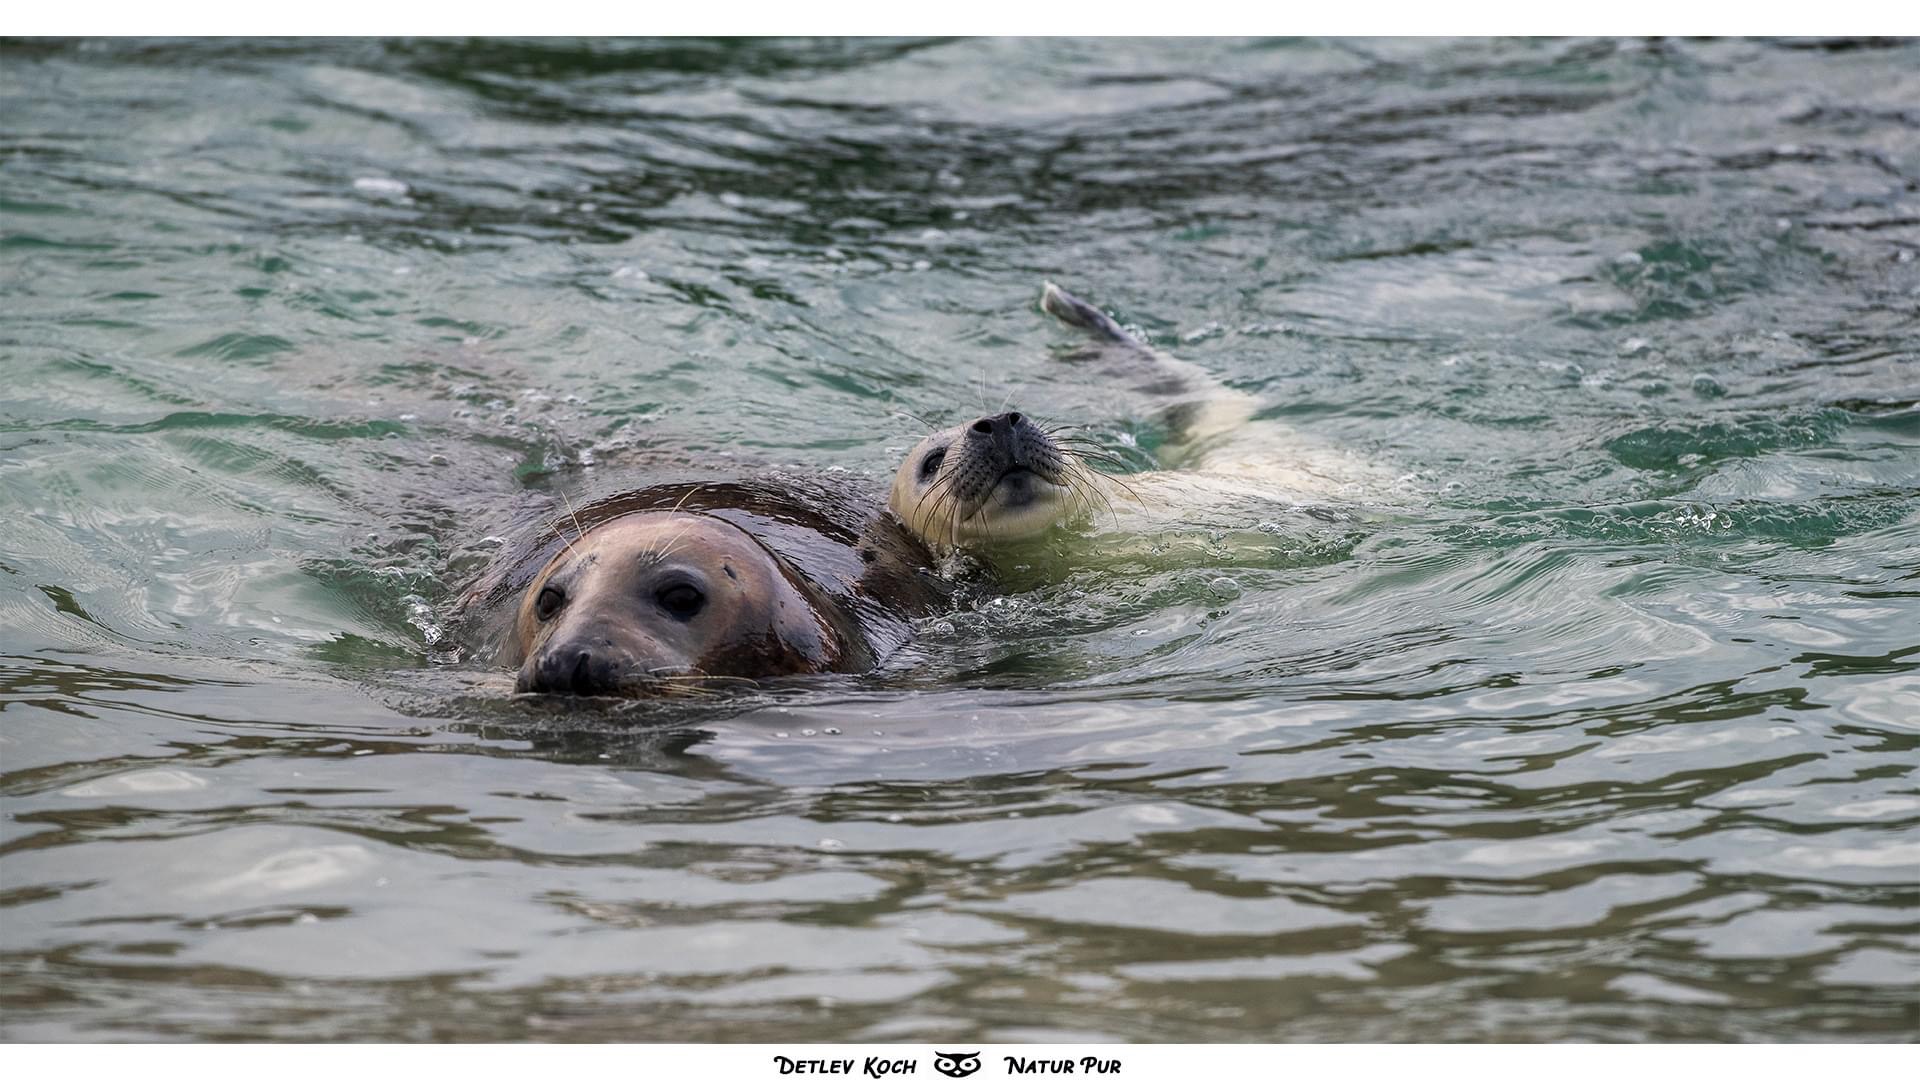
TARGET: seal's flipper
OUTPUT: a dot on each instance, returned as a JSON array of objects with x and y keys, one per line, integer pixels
[
  {"x": 1193, "y": 405},
  {"x": 1074, "y": 311}
]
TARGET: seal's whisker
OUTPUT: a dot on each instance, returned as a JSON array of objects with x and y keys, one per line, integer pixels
[
  {"x": 941, "y": 491},
  {"x": 577, "y": 530},
  {"x": 918, "y": 420},
  {"x": 1132, "y": 492},
  {"x": 1081, "y": 481},
  {"x": 753, "y": 683},
  {"x": 677, "y": 680},
  {"x": 946, "y": 481},
  {"x": 1086, "y": 444},
  {"x": 956, "y": 518},
  {"x": 943, "y": 512},
  {"x": 1079, "y": 484},
  {"x": 1100, "y": 455},
  {"x": 680, "y": 671},
  {"x": 1092, "y": 481},
  {"x": 1082, "y": 440},
  {"x": 947, "y": 510},
  {"x": 664, "y": 688},
  {"x": 667, "y": 548}
]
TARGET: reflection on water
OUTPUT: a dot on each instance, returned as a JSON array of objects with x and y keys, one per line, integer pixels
[{"x": 1606, "y": 729}]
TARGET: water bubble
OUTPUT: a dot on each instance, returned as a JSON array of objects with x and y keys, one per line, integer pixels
[
  {"x": 830, "y": 844},
  {"x": 1635, "y": 347},
  {"x": 1707, "y": 386},
  {"x": 779, "y": 734},
  {"x": 728, "y": 198},
  {"x": 380, "y": 186},
  {"x": 1224, "y": 587},
  {"x": 808, "y": 732}
]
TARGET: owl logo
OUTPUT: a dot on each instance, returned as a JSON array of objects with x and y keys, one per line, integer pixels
[{"x": 957, "y": 1065}]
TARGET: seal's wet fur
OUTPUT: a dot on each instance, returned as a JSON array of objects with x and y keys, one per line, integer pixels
[{"x": 822, "y": 579}]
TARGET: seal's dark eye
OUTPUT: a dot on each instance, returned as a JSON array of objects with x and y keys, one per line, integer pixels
[
  {"x": 681, "y": 601},
  {"x": 931, "y": 463},
  {"x": 549, "y": 602}
]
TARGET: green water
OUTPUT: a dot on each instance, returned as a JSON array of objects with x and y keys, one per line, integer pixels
[{"x": 1608, "y": 730}]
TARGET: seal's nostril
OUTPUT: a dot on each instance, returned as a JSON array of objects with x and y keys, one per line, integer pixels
[
  {"x": 581, "y": 679},
  {"x": 1013, "y": 419},
  {"x": 984, "y": 427}
]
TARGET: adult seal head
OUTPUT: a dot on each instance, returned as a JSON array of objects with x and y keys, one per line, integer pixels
[
  {"x": 657, "y": 596},
  {"x": 682, "y": 585}
]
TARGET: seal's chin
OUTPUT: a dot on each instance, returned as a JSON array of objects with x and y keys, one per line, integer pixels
[
  {"x": 1016, "y": 488},
  {"x": 1021, "y": 503}
]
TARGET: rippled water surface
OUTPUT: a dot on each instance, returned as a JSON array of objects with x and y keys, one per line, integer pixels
[{"x": 1605, "y": 728}]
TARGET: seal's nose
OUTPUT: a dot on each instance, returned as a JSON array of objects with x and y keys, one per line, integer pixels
[
  {"x": 1007, "y": 423},
  {"x": 1003, "y": 434},
  {"x": 573, "y": 667}
]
